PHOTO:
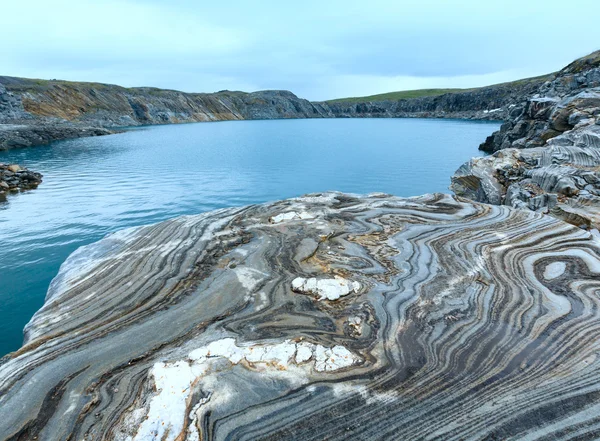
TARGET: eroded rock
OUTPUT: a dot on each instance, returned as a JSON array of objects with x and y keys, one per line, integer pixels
[
  {"x": 190, "y": 329},
  {"x": 14, "y": 178},
  {"x": 546, "y": 157}
]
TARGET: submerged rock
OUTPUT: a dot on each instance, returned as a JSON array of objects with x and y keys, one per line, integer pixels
[{"x": 454, "y": 320}]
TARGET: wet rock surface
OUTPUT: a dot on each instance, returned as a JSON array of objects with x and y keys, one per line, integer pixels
[
  {"x": 14, "y": 178},
  {"x": 370, "y": 317},
  {"x": 547, "y": 157}
]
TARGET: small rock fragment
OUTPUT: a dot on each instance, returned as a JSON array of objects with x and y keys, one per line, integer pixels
[{"x": 330, "y": 289}]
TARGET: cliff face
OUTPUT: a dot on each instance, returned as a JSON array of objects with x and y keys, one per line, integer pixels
[
  {"x": 59, "y": 109},
  {"x": 329, "y": 316},
  {"x": 11, "y": 107},
  {"x": 548, "y": 154},
  {"x": 493, "y": 102},
  {"x": 556, "y": 107},
  {"x": 110, "y": 106}
]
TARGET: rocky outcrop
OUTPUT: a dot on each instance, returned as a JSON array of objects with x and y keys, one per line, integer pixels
[
  {"x": 491, "y": 103},
  {"x": 109, "y": 106},
  {"x": 13, "y": 178},
  {"x": 371, "y": 317},
  {"x": 548, "y": 156},
  {"x": 38, "y": 132},
  {"x": 11, "y": 107},
  {"x": 569, "y": 98}
]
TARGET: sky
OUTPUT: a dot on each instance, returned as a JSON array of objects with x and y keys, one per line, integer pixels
[{"x": 318, "y": 49}]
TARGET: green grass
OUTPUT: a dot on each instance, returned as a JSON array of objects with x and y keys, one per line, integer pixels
[
  {"x": 16, "y": 84},
  {"x": 395, "y": 96}
]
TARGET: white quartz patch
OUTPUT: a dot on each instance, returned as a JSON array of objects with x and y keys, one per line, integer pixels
[
  {"x": 249, "y": 277},
  {"x": 332, "y": 359},
  {"x": 554, "y": 270},
  {"x": 304, "y": 352},
  {"x": 330, "y": 289},
  {"x": 291, "y": 215},
  {"x": 174, "y": 381}
]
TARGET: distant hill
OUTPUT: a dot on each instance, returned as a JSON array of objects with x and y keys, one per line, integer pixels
[{"x": 420, "y": 93}]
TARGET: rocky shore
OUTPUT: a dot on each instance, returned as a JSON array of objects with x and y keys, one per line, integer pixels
[
  {"x": 15, "y": 178},
  {"x": 53, "y": 110},
  {"x": 370, "y": 317},
  {"x": 26, "y": 134},
  {"x": 547, "y": 155},
  {"x": 484, "y": 103}
]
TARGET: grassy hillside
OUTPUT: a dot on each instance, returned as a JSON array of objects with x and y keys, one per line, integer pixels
[
  {"x": 419, "y": 93},
  {"x": 16, "y": 84},
  {"x": 395, "y": 96}
]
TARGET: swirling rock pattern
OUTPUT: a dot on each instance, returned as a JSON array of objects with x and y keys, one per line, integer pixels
[
  {"x": 547, "y": 156},
  {"x": 561, "y": 178},
  {"x": 457, "y": 321}
]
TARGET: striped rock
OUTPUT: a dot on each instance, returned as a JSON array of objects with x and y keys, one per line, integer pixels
[
  {"x": 455, "y": 321},
  {"x": 561, "y": 178}
]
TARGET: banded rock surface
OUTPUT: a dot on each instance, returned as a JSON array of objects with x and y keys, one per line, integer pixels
[
  {"x": 547, "y": 156},
  {"x": 448, "y": 320}
]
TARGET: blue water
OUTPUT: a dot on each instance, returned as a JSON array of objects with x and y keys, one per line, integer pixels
[{"x": 93, "y": 186}]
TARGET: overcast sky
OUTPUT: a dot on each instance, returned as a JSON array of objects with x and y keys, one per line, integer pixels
[{"x": 318, "y": 49}]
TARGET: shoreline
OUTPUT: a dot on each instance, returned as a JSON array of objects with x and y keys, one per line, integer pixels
[
  {"x": 335, "y": 305},
  {"x": 23, "y": 135},
  {"x": 320, "y": 297}
]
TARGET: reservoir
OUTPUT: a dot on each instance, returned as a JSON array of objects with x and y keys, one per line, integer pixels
[{"x": 95, "y": 186}]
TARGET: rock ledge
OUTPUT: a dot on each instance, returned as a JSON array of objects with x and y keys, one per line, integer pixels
[{"x": 458, "y": 320}]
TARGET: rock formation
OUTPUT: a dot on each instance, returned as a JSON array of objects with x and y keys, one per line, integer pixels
[
  {"x": 329, "y": 316},
  {"x": 13, "y": 178},
  {"x": 11, "y": 107},
  {"x": 59, "y": 109},
  {"x": 49, "y": 110},
  {"x": 571, "y": 98},
  {"x": 548, "y": 154},
  {"x": 106, "y": 105},
  {"x": 42, "y": 132},
  {"x": 487, "y": 103}
]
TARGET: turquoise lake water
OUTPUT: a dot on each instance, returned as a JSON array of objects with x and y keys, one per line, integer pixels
[{"x": 94, "y": 186}]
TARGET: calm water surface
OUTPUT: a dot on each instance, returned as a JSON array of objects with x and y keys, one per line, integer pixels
[{"x": 94, "y": 186}]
